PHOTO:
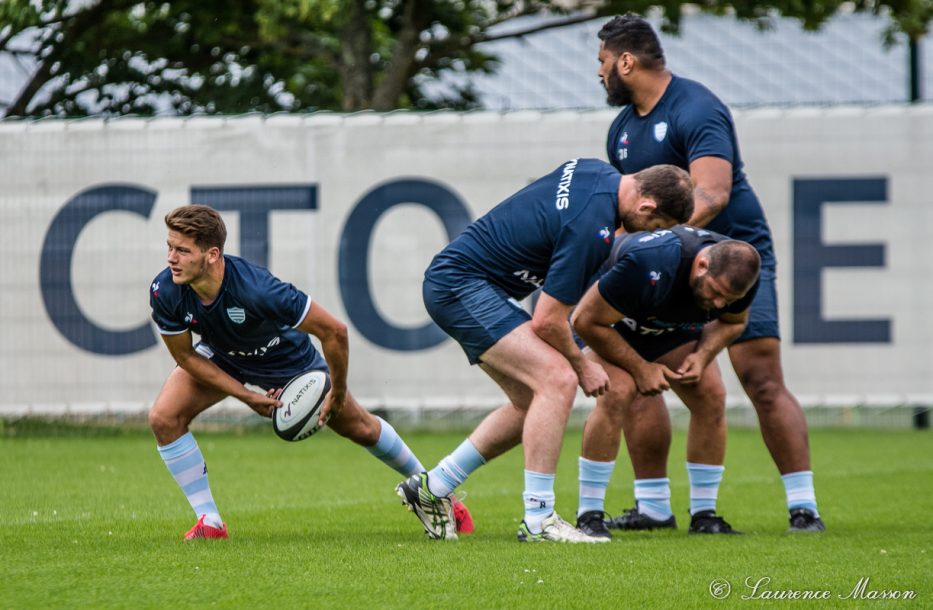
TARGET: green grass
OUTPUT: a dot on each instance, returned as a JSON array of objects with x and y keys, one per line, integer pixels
[{"x": 97, "y": 522}]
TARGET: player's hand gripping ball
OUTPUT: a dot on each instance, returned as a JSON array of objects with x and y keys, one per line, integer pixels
[{"x": 302, "y": 399}]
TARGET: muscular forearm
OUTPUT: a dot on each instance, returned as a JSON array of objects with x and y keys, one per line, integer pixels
[
  {"x": 606, "y": 341},
  {"x": 336, "y": 350},
  {"x": 212, "y": 375},
  {"x": 559, "y": 336},
  {"x": 717, "y": 335},
  {"x": 706, "y": 206}
]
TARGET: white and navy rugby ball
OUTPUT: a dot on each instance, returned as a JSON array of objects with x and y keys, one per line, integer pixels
[{"x": 302, "y": 400}]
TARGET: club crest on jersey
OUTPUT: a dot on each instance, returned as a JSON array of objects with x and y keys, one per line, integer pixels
[
  {"x": 606, "y": 235},
  {"x": 654, "y": 277},
  {"x": 660, "y": 130},
  {"x": 237, "y": 314},
  {"x": 155, "y": 289}
]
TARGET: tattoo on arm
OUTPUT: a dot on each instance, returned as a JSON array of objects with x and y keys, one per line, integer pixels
[{"x": 710, "y": 201}]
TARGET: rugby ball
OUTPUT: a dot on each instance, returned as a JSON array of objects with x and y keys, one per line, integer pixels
[{"x": 302, "y": 399}]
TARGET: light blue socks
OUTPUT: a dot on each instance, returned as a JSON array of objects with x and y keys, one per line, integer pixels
[
  {"x": 454, "y": 469},
  {"x": 653, "y": 497},
  {"x": 594, "y": 480},
  {"x": 184, "y": 460},
  {"x": 704, "y": 486},
  {"x": 539, "y": 499},
  {"x": 392, "y": 450},
  {"x": 799, "y": 489}
]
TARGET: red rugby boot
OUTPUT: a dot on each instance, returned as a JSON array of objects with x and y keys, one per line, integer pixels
[
  {"x": 205, "y": 531},
  {"x": 463, "y": 518}
]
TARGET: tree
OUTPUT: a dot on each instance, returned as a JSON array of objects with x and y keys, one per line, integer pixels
[{"x": 115, "y": 57}]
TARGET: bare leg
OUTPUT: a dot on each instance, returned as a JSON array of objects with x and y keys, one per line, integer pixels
[
  {"x": 181, "y": 399},
  {"x": 525, "y": 358},
  {"x": 783, "y": 426},
  {"x": 501, "y": 430},
  {"x": 643, "y": 419},
  {"x": 356, "y": 423},
  {"x": 706, "y": 436}
]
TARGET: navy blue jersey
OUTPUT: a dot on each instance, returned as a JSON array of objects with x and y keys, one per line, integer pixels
[
  {"x": 687, "y": 123},
  {"x": 553, "y": 234},
  {"x": 649, "y": 281},
  {"x": 252, "y": 321}
]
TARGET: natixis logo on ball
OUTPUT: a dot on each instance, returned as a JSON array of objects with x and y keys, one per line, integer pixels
[{"x": 301, "y": 392}]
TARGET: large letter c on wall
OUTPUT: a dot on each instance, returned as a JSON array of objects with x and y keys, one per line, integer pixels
[
  {"x": 354, "y": 258},
  {"x": 55, "y": 269}
]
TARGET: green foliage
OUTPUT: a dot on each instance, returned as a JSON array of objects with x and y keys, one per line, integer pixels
[
  {"x": 97, "y": 523},
  {"x": 117, "y": 57}
]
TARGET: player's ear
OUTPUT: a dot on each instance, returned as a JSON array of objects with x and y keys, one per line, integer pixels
[
  {"x": 625, "y": 63},
  {"x": 647, "y": 207},
  {"x": 213, "y": 255}
]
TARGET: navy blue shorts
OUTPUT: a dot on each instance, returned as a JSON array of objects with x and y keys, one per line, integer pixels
[
  {"x": 265, "y": 379},
  {"x": 472, "y": 310},
  {"x": 652, "y": 347},
  {"x": 763, "y": 316}
]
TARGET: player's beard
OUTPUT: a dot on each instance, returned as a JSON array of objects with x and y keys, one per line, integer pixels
[
  {"x": 632, "y": 222},
  {"x": 696, "y": 285},
  {"x": 617, "y": 92}
]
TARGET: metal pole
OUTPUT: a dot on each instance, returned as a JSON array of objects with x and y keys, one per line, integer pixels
[
  {"x": 921, "y": 417},
  {"x": 914, "y": 53}
]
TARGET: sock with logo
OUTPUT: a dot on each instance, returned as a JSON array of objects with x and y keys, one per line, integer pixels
[
  {"x": 539, "y": 499},
  {"x": 392, "y": 450},
  {"x": 454, "y": 469},
  {"x": 704, "y": 486},
  {"x": 184, "y": 460},
  {"x": 799, "y": 489},
  {"x": 594, "y": 480},
  {"x": 653, "y": 498}
]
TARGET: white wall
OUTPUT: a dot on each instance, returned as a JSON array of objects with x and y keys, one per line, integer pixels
[{"x": 480, "y": 158}]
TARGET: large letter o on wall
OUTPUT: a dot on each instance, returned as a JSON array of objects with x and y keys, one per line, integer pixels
[{"x": 354, "y": 258}]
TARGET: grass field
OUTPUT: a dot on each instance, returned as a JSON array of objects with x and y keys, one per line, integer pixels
[{"x": 97, "y": 522}]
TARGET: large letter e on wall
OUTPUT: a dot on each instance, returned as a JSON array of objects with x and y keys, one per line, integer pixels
[{"x": 812, "y": 256}]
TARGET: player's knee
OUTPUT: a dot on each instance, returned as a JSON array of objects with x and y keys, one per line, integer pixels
[
  {"x": 561, "y": 382},
  {"x": 764, "y": 392},
  {"x": 714, "y": 399},
  {"x": 359, "y": 426},
  {"x": 617, "y": 402},
  {"x": 166, "y": 427}
]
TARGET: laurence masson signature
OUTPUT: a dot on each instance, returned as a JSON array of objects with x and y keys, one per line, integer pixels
[{"x": 761, "y": 588}]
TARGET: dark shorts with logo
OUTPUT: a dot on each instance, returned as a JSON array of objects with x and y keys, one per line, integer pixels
[
  {"x": 763, "y": 315},
  {"x": 262, "y": 377},
  {"x": 472, "y": 310},
  {"x": 652, "y": 347}
]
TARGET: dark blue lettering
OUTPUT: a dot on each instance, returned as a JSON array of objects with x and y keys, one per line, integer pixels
[
  {"x": 811, "y": 256},
  {"x": 55, "y": 269},
  {"x": 353, "y": 263},
  {"x": 254, "y": 203}
]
